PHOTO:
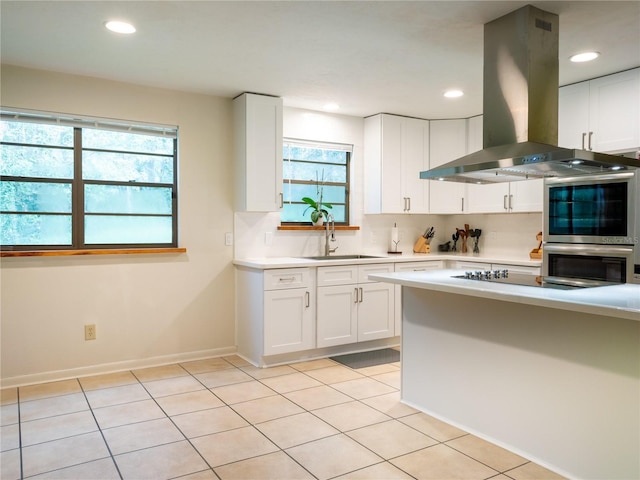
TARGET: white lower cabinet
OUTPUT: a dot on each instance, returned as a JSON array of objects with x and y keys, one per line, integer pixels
[
  {"x": 288, "y": 321},
  {"x": 275, "y": 311},
  {"x": 351, "y": 308},
  {"x": 288, "y": 311}
]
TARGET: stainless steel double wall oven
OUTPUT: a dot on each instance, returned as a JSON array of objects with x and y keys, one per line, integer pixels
[{"x": 591, "y": 228}]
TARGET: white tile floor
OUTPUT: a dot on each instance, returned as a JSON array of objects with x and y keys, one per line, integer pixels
[{"x": 222, "y": 418}]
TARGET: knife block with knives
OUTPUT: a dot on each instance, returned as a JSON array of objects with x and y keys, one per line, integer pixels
[{"x": 422, "y": 245}]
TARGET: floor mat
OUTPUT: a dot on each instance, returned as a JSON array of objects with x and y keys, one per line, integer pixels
[{"x": 368, "y": 359}]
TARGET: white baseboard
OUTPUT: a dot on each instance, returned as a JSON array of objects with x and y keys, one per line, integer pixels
[{"x": 56, "y": 375}]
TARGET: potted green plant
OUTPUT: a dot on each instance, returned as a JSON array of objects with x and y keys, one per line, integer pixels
[{"x": 318, "y": 207}]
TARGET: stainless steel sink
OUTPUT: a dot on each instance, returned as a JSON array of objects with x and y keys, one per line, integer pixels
[{"x": 340, "y": 257}]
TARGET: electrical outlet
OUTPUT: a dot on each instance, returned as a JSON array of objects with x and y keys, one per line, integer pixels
[
  {"x": 374, "y": 238},
  {"x": 228, "y": 239},
  {"x": 268, "y": 238},
  {"x": 89, "y": 332}
]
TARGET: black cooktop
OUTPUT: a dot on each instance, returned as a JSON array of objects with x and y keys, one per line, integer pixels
[{"x": 504, "y": 276}]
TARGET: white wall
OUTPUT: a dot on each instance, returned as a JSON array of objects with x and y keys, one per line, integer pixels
[{"x": 147, "y": 308}]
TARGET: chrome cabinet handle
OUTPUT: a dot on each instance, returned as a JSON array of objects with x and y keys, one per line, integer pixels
[
  {"x": 462, "y": 210},
  {"x": 590, "y": 135},
  {"x": 360, "y": 294},
  {"x": 504, "y": 203},
  {"x": 287, "y": 279},
  {"x": 584, "y": 134},
  {"x": 307, "y": 298},
  {"x": 355, "y": 291},
  {"x": 510, "y": 202},
  {"x": 409, "y": 203},
  {"x": 281, "y": 195}
]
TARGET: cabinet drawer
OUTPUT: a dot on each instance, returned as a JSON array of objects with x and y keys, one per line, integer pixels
[
  {"x": 419, "y": 266},
  {"x": 516, "y": 268},
  {"x": 337, "y": 275},
  {"x": 287, "y": 278},
  {"x": 365, "y": 270},
  {"x": 471, "y": 265}
]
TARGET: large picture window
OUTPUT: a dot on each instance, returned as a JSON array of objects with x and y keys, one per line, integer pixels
[
  {"x": 309, "y": 167},
  {"x": 69, "y": 183}
]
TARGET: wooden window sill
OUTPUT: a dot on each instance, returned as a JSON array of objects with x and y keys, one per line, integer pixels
[
  {"x": 100, "y": 251},
  {"x": 311, "y": 227}
]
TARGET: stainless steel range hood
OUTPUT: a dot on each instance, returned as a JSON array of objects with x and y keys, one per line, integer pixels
[{"x": 520, "y": 109}]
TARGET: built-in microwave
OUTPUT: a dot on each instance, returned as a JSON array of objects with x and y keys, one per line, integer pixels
[{"x": 592, "y": 209}]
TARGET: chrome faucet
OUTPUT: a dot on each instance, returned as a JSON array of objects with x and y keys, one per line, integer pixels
[{"x": 329, "y": 223}]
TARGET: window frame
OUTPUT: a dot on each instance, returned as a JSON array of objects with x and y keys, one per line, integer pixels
[
  {"x": 348, "y": 149},
  {"x": 78, "y": 183}
]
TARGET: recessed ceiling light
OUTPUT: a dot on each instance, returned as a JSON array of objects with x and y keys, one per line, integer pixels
[
  {"x": 584, "y": 57},
  {"x": 453, "y": 93},
  {"x": 120, "y": 27},
  {"x": 331, "y": 107}
]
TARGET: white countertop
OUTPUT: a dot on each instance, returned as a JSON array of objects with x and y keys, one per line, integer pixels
[
  {"x": 262, "y": 263},
  {"x": 620, "y": 301}
]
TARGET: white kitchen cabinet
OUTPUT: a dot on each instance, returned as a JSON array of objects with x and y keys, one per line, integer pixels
[
  {"x": 275, "y": 312},
  {"x": 524, "y": 196},
  {"x": 410, "y": 267},
  {"x": 396, "y": 150},
  {"x": 258, "y": 145},
  {"x": 447, "y": 141},
  {"x": 516, "y": 268},
  {"x": 351, "y": 308},
  {"x": 602, "y": 114}
]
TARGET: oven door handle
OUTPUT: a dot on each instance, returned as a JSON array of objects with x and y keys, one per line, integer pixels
[{"x": 582, "y": 249}]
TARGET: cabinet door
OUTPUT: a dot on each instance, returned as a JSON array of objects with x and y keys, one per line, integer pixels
[
  {"x": 573, "y": 115},
  {"x": 614, "y": 112},
  {"x": 415, "y": 159},
  {"x": 447, "y": 141},
  {"x": 337, "y": 315},
  {"x": 258, "y": 125},
  {"x": 488, "y": 198},
  {"x": 288, "y": 321},
  {"x": 391, "y": 175},
  {"x": 375, "y": 311},
  {"x": 527, "y": 196}
]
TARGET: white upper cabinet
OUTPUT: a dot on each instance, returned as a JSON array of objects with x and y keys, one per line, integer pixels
[
  {"x": 524, "y": 196},
  {"x": 396, "y": 150},
  {"x": 258, "y": 144},
  {"x": 447, "y": 141},
  {"x": 602, "y": 114}
]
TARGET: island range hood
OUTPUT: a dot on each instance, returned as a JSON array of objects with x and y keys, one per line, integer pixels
[{"x": 520, "y": 109}]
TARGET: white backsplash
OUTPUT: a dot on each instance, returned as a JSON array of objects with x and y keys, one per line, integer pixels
[{"x": 504, "y": 235}]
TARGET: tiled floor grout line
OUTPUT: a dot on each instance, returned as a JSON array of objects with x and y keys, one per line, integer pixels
[
  {"x": 100, "y": 430},
  {"x": 19, "y": 433},
  {"x": 174, "y": 423}
]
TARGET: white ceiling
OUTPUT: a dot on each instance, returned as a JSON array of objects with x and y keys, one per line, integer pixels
[{"x": 368, "y": 56}]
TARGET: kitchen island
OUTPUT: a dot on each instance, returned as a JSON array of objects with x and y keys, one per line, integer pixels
[{"x": 553, "y": 375}]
